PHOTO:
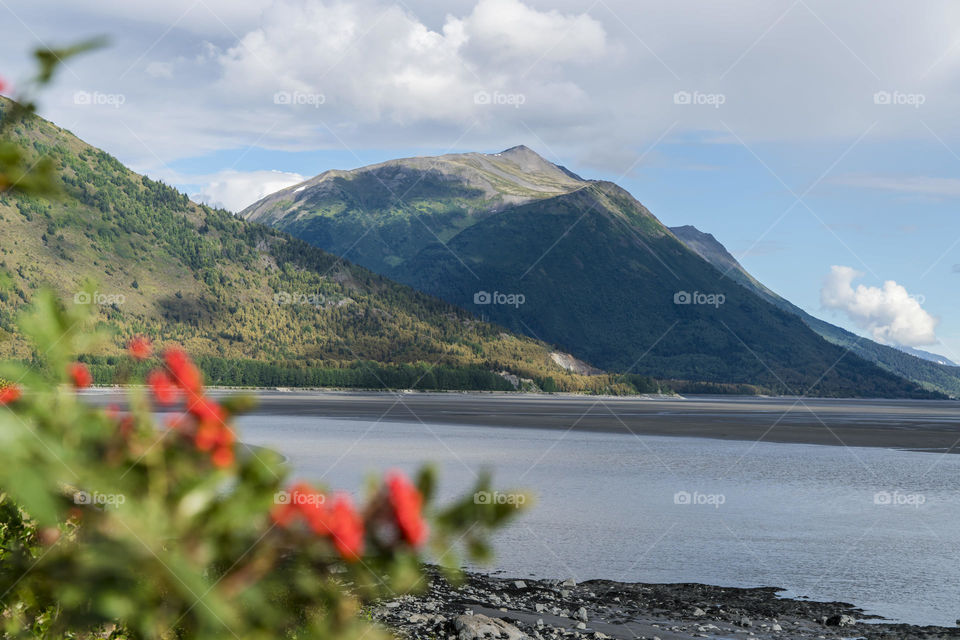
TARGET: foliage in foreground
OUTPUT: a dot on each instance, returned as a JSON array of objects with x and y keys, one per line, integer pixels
[{"x": 111, "y": 524}]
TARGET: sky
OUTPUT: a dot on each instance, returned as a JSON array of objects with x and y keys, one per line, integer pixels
[{"x": 818, "y": 141}]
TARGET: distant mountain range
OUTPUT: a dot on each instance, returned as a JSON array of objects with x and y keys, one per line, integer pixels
[
  {"x": 255, "y": 304},
  {"x": 926, "y": 355},
  {"x": 927, "y": 369},
  {"x": 583, "y": 265}
]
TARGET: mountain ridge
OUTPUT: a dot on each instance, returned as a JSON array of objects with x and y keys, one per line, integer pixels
[
  {"x": 232, "y": 292},
  {"x": 601, "y": 277},
  {"x": 941, "y": 377}
]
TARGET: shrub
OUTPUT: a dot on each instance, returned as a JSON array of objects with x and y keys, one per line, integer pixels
[{"x": 113, "y": 525}]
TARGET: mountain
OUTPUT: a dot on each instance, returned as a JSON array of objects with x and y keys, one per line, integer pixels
[
  {"x": 379, "y": 215},
  {"x": 576, "y": 263},
  {"x": 926, "y": 355},
  {"x": 255, "y": 304},
  {"x": 926, "y": 369}
]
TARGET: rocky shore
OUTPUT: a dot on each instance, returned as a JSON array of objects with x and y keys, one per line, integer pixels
[{"x": 491, "y": 608}]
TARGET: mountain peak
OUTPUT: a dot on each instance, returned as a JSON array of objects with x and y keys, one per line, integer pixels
[
  {"x": 519, "y": 149},
  {"x": 524, "y": 156},
  {"x": 530, "y": 161}
]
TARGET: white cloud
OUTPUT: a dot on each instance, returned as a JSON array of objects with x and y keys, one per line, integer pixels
[
  {"x": 502, "y": 30},
  {"x": 592, "y": 77},
  {"x": 234, "y": 190},
  {"x": 380, "y": 65},
  {"x": 160, "y": 69},
  {"x": 889, "y": 313}
]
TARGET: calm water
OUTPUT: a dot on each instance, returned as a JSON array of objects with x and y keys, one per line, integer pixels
[{"x": 804, "y": 517}]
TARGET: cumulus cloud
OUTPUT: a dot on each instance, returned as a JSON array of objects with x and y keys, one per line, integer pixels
[
  {"x": 235, "y": 190},
  {"x": 160, "y": 69},
  {"x": 381, "y": 64},
  {"x": 511, "y": 30},
  {"x": 200, "y": 77},
  {"x": 889, "y": 313}
]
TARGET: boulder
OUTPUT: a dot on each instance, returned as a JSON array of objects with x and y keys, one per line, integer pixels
[
  {"x": 840, "y": 620},
  {"x": 481, "y": 627}
]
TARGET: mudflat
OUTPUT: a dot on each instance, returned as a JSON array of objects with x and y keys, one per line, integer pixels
[{"x": 932, "y": 425}]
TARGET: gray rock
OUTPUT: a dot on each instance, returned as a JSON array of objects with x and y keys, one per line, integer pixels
[
  {"x": 540, "y": 607},
  {"x": 520, "y": 584},
  {"x": 840, "y": 620},
  {"x": 581, "y": 625},
  {"x": 481, "y": 627},
  {"x": 745, "y": 622},
  {"x": 392, "y": 605},
  {"x": 697, "y": 612},
  {"x": 569, "y": 582},
  {"x": 582, "y": 614}
]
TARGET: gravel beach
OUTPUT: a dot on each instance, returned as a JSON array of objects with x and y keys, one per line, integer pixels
[{"x": 494, "y": 608}]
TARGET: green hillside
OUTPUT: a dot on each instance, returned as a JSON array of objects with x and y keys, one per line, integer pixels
[
  {"x": 256, "y": 305},
  {"x": 380, "y": 215},
  {"x": 597, "y": 273}
]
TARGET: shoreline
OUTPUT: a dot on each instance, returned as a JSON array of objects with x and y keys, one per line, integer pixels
[
  {"x": 486, "y": 607},
  {"x": 931, "y": 426}
]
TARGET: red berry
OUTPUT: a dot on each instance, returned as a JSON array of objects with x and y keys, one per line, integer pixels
[
  {"x": 222, "y": 456},
  {"x": 80, "y": 375},
  {"x": 10, "y": 393},
  {"x": 407, "y": 504},
  {"x": 140, "y": 347},
  {"x": 163, "y": 389},
  {"x": 182, "y": 370}
]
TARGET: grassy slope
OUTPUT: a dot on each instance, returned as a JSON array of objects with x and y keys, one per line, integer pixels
[
  {"x": 205, "y": 279},
  {"x": 930, "y": 375},
  {"x": 378, "y": 216}
]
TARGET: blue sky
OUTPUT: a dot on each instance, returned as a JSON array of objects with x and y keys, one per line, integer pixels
[{"x": 815, "y": 133}]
